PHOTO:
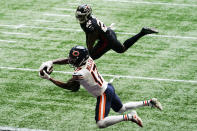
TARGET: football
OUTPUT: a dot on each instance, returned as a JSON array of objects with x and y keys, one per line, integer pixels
[{"x": 45, "y": 69}]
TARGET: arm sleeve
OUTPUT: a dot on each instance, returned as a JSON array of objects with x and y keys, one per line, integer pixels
[
  {"x": 99, "y": 25},
  {"x": 77, "y": 76}
]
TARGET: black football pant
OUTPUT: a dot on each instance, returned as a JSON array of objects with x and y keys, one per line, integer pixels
[{"x": 109, "y": 41}]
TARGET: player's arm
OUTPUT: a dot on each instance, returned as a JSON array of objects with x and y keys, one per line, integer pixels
[
  {"x": 61, "y": 61},
  {"x": 99, "y": 25},
  {"x": 49, "y": 64},
  {"x": 90, "y": 41},
  {"x": 71, "y": 84}
]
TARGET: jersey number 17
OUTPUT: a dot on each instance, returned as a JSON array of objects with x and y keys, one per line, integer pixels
[{"x": 97, "y": 78}]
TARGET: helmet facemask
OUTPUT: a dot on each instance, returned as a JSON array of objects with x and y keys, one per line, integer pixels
[
  {"x": 83, "y": 13},
  {"x": 76, "y": 62}
]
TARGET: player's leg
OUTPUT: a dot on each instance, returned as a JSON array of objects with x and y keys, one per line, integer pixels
[
  {"x": 121, "y": 48},
  {"x": 132, "y": 105},
  {"x": 101, "y": 47},
  {"x": 114, "y": 42},
  {"x": 102, "y": 118},
  {"x": 111, "y": 120},
  {"x": 145, "y": 31}
]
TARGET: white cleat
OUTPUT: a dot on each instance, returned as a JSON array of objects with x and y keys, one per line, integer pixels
[
  {"x": 156, "y": 104},
  {"x": 135, "y": 118}
]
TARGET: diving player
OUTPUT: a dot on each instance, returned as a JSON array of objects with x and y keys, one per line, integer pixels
[{"x": 87, "y": 74}]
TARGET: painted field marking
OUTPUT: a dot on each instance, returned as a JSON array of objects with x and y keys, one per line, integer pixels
[
  {"x": 163, "y": 36},
  {"x": 45, "y": 21},
  {"x": 109, "y": 75},
  {"x": 153, "y": 3},
  {"x": 73, "y": 3},
  {"x": 64, "y": 9},
  {"x": 38, "y": 27},
  {"x": 48, "y": 14},
  {"x": 80, "y": 30},
  {"x": 8, "y": 41},
  {"x": 18, "y": 129},
  {"x": 15, "y": 33}
]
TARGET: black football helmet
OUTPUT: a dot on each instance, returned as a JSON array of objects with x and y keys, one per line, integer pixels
[
  {"x": 78, "y": 56},
  {"x": 83, "y": 13}
]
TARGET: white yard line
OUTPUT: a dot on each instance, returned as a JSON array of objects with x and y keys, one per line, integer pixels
[
  {"x": 38, "y": 27},
  {"x": 114, "y": 76},
  {"x": 74, "y": 3},
  {"x": 15, "y": 33},
  {"x": 48, "y": 14},
  {"x": 79, "y": 30},
  {"x": 153, "y": 3},
  {"x": 8, "y": 41},
  {"x": 164, "y": 36},
  {"x": 45, "y": 21},
  {"x": 65, "y": 9},
  {"x": 18, "y": 129}
]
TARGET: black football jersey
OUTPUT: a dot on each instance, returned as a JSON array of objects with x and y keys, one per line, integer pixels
[{"x": 93, "y": 25}]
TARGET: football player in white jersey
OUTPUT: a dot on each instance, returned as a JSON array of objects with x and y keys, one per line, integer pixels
[{"x": 87, "y": 74}]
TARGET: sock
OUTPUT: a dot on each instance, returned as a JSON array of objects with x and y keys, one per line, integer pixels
[
  {"x": 126, "y": 117},
  {"x": 133, "y": 105},
  {"x": 146, "y": 103},
  {"x": 110, "y": 120}
]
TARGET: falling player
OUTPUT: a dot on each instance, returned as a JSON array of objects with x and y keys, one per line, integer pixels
[
  {"x": 106, "y": 38},
  {"x": 87, "y": 74}
]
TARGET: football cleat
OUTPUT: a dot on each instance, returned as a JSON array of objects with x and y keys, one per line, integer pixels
[
  {"x": 135, "y": 118},
  {"x": 156, "y": 104},
  {"x": 147, "y": 30}
]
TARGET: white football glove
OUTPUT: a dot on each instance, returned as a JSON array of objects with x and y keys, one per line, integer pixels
[
  {"x": 45, "y": 76},
  {"x": 112, "y": 26},
  {"x": 47, "y": 64}
]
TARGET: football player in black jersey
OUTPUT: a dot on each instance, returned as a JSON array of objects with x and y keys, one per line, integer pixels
[{"x": 106, "y": 38}]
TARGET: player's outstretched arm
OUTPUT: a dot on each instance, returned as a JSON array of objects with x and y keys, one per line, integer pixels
[
  {"x": 61, "y": 61},
  {"x": 48, "y": 65},
  {"x": 69, "y": 85}
]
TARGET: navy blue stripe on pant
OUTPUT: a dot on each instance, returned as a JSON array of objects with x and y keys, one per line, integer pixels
[{"x": 107, "y": 100}]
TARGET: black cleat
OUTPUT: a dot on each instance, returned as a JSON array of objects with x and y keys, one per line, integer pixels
[{"x": 146, "y": 30}]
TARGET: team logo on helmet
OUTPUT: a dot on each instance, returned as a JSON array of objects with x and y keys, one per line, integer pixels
[{"x": 75, "y": 53}]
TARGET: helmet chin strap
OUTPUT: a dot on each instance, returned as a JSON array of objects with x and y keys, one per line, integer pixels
[
  {"x": 86, "y": 19},
  {"x": 81, "y": 63},
  {"x": 81, "y": 22}
]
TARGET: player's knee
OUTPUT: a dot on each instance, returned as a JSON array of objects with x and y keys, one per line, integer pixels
[
  {"x": 120, "y": 50},
  {"x": 123, "y": 109},
  {"x": 101, "y": 124},
  {"x": 93, "y": 56}
]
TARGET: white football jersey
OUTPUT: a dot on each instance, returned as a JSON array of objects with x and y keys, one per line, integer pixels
[{"x": 89, "y": 77}]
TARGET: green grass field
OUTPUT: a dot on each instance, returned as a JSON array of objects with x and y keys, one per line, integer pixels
[{"x": 34, "y": 31}]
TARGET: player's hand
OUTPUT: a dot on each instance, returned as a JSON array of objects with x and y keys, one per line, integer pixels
[
  {"x": 112, "y": 26},
  {"x": 47, "y": 64},
  {"x": 45, "y": 76}
]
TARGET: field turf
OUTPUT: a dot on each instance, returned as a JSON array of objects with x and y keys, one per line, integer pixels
[{"x": 162, "y": 66}]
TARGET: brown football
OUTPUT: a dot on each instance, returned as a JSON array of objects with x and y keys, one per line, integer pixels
[{"x": 45, "y": 69}]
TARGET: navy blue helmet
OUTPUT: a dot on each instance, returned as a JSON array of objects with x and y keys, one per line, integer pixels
[{"x": 78, "y": 56}]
